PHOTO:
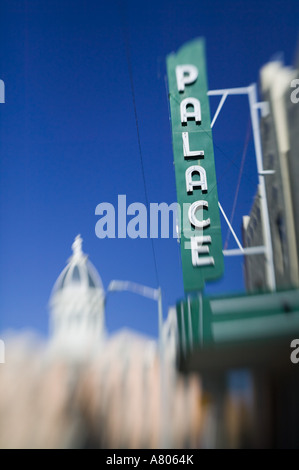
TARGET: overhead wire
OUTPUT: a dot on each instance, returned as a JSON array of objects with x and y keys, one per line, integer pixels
[
  {"x": 129, "y": 64},
  {"x": 238, "y": 183}
]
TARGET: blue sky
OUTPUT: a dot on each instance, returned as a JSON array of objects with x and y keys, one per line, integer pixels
[{"x": 68, "y": 137}]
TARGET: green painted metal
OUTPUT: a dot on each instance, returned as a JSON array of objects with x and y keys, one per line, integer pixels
[
  {"x": 200, "y": 138},
  {"x": 204, "y": 321}
]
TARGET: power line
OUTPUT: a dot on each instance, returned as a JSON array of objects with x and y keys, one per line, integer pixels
[
  {"x": 239, "y": 182},
  {"x": 128, "y": 57}
]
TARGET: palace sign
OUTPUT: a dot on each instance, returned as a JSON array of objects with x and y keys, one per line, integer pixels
[{"x": 200, "y": 231}]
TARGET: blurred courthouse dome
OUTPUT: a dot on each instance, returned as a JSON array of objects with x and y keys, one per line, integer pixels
[{"x": 77, "y": 321}]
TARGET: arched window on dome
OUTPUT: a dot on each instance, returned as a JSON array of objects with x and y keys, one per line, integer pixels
[
  {"x": 62, "y": 282},
  {"x": 91, "y": 282},
  {"x": 76, "y": 274}
]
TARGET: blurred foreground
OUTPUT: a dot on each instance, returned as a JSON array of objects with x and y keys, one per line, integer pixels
[
  {"x": 109, "y": 400},
  {"x": 115, "y": 398}
]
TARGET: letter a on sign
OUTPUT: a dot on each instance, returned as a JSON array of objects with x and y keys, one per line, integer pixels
[{"x": 201, "y": 242}]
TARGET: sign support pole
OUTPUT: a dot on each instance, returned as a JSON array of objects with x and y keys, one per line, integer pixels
[
  {"x": 253, "y": 103},
  {"x": 254, "y": 106}
]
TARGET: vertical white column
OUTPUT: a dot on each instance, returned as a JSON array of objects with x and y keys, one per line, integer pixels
[{"x": 270, "y": 273}]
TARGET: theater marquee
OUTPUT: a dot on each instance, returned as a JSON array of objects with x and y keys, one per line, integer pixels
[{"x": 200, "y": 231}]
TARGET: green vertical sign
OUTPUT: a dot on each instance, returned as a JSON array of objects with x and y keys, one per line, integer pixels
[{"x": 200, "y": 230}]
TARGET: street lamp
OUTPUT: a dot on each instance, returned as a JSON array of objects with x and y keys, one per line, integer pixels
[{"x": 154, "y": 294}]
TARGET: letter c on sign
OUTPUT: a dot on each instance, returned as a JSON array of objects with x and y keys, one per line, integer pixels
[{"x": 191, "y": 214}]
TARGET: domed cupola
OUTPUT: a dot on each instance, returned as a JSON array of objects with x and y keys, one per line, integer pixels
[{"x": 77, "y": 305}]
